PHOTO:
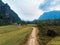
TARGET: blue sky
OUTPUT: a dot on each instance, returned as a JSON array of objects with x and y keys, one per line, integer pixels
[
  {"x": 32, "y": 9},
  {"x": 50, "y": 5}
]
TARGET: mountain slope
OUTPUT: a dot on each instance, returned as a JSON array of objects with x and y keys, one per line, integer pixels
[
  {"x": 50, "y": 15},
  {"x": 7, "y": 16}
]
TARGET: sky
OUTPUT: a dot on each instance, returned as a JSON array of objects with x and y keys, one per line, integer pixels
[{"x": 29, "y": 10}]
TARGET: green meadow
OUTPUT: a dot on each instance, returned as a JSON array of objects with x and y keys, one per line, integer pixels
[{"x": 14, "y": 35}]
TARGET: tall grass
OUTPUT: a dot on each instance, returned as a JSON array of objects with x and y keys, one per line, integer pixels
[
  {"x": 54, "y": 41},
  {"x": 14, "y": 35}
]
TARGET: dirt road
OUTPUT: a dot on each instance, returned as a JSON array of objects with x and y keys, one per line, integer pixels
[{"x": 33, "y": 37}]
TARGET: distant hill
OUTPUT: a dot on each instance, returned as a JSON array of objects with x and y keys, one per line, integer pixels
[
  {"x": 50, "y": 15},
  {"x": 7, "y": 16}
]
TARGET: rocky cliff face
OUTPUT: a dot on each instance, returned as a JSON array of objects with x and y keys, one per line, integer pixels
[{"x": 7, "y": 16}]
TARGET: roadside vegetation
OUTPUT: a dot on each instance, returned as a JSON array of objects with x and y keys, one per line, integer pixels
[
  {"x": 49, "y": 32},
  {"x": 14, "y": 35}
]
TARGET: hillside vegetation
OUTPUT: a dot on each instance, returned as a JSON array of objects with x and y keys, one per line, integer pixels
[
  {"x": 49, "y": 32},
  {"x": 50, "y": 15}
]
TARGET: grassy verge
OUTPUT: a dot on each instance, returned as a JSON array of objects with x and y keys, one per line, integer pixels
[
  {"x": 14, "y": 35},
  {"x": 54, "y": 41}
]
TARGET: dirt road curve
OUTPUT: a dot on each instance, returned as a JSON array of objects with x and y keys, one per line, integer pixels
[{"x": 33, "y": 38}]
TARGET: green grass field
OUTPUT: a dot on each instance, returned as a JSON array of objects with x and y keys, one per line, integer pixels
[
  {"x": 14, "y": 35},
  {"x": 54, "y": 41}
]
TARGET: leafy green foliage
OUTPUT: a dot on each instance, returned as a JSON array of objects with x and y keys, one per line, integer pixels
[{"x": 46, "y": 25}]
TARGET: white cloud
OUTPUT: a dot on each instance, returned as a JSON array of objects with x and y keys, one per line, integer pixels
[
  {"x": 50, "y": 5},
  {"x": 26, "y": 9},
  {"x": 29, "y": 9}
]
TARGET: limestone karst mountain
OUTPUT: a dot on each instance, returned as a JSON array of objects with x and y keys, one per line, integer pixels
[
  {"x": 7, "y": 15},
  {"x": 50, "y": 15}
]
